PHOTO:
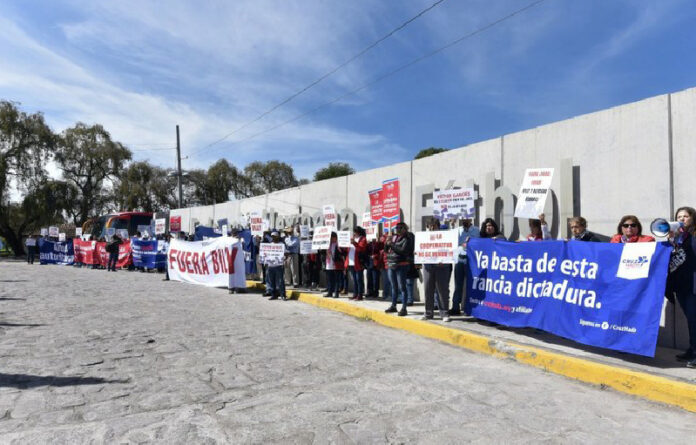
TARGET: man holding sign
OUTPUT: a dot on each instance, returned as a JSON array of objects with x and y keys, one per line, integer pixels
[{"x": 273, "y": 256}]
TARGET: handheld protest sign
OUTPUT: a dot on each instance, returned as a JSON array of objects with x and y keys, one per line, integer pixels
[
  {"x": 78, "y": 231},
  {"x": 44, "y": 231},
  {"x": 256, "y": 223},
  {"x": 330, "y": 218},
  {"x": 304, "y": 231},
  {"x": 343, "y": 238},
  {"x": 322, "y": 238},
  {"x": 160, "y": 226},
  {"x": 53, "y": 231},
  {"x": 436, "y": 247},
  {"x": 533, "y": 192},
  {"x": 61, "y": 237},
  {"x": 175, "y": 223},
  {"x": 306, "y": 247},
  {"x": 454, "y": 203}
]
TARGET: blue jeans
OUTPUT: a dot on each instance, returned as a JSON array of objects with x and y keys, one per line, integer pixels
[
  {"x": 358, "y": 282},
  {"x": 397, "y": 279},
  {"x": 459, "y": 283},
  {"x": 386, "y": 292},
  {"x": 276, "y": 281},
  {"x": 373, "y": 281},
  {"x": 341, "y": 281},
  {"x": 687, "y": 301}
]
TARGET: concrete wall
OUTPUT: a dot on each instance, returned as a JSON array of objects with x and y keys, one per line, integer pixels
[{"x": 637, "y": 159}]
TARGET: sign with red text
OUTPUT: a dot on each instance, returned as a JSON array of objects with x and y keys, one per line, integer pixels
[
  {"x": 391, "y": 209},
  {"x": 532, "y": 197},
  {"x": 215, "y": 262},
  {"x": 376, "y": 205},
  {"x": 454, "y": 203},
  {"x": 160, "y": 226},
  {"x": 175, "y": 223},
  {"x": 272, "y": 254},
  {"x": 437, "y": 247},
  {"x": 321, "y": 238},
  {"x": 256, "y": 223},
  {"x": 330, "y": 218}
]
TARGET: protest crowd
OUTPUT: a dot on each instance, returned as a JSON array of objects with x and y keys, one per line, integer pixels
[{"x": 363, "y": 262}]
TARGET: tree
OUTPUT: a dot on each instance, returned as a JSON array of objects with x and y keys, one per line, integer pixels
[
  {"x": 89, "y": 158},
  {"x": 270, "y": 176},
  {"x": 26, "y": 143},
  {"x": 334, "y": 170},
  {"x": 44, "y": 205},
  {"x": 429, "y": 152},
  {"x": 145, "y": 187}
]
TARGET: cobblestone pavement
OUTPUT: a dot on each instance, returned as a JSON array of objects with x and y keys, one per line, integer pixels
[{"x": 90, "y": 357}]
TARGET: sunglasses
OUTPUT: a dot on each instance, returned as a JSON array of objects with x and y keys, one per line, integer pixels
[{"x": 626, "y": 226}]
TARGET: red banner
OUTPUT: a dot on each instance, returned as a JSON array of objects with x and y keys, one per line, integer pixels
[
  {"x": 175, "y": 223},
  {"x": 391, "y": 209},
  {"x": 124, "y": 254},
  {"x": 375, "y": 205},
  {"x": 84, "y": 251}
]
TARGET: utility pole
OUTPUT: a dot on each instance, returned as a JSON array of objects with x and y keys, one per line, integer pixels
[{"x": 178, "y": 163}]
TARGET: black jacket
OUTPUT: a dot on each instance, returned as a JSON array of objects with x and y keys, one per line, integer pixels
[
  {"x": 401, "y": 250},
  {"x": 588, "y": 236}
]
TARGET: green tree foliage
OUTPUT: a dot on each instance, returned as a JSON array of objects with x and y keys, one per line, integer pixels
[
  {"x": 145, "y": 187},
  {"x": 429, "y": 152},
  {"x": 89, "y": 158},
  {"x": 26, "y": 142},
  {"x": 270, "y": 176},
  {"x": 333, "y": 170}
]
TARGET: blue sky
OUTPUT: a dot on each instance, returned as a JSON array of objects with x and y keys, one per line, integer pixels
[{"x": 139, "y": 68}]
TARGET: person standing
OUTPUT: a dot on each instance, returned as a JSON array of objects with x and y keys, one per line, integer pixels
[
  {"x": 292, "y": 258},
  {"x": 30, "y": 244},
  {"x": 374, "y": 267},
  {"x": 436, "y": 276},
  {"x": 357, "y": 256},
  {"x": 275, "y": 271},
  {"x": 334, "y": 259},
  {"x": 113, "y": 248},
  {"x": 681, "y": 279},
  {"x": 468, "y": 231},
  {"x": 399, "y": 250},
  {"x": 578, "y": 229}
]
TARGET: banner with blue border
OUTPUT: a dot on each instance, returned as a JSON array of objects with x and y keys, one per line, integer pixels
[
  {"x": 53, "y": 252},
  {"x": 599, "y": 294}
]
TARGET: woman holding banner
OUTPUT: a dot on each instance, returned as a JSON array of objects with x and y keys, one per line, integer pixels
[
  {"x": 489, "y": 229},
  {"x": 539, "y": 229},
  {"x": 630, "y": 230},
  {"x": 682, "y": 276}
]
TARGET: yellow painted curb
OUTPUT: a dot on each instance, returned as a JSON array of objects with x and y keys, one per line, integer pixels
[{"x": 641, "y": 384}]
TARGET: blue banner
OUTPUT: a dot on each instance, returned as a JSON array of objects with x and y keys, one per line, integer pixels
[
  {"x": 599, "y": 294},
  {"x": 207, "y": 232},
  {"x": 53, "y": 252},
  {"x": 146, "y": 254}
]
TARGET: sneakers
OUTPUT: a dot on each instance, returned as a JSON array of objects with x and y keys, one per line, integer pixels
[
  {"x": 390, "y": 309},
  {"x": 686, "y": 356},
  {"x": 446, "y": 319},
  {"x": 426, "y": 317},
  {"x": 691, "y": 363},
  {"x": 327, "y": 295},
  {"x": 402, "y": 313},
  {"x": 454, "y": 311}
]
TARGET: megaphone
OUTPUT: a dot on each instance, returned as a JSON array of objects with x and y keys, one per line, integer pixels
[{"x": 661, "y": 227}]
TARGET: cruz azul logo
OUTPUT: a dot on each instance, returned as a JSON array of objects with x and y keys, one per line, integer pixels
[
  {"x": 635, "y": 263},
  {"x": 635, "y": 260}
]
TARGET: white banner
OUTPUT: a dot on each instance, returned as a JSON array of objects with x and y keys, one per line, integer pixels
[
  {"x": 343, "y": 238},
  {"x": 216, "y": 262},
  {"x": 321, "y": 238},
  {"x": 533, "y": 192},
  {"x": 436, "y": 247},
  {"x": 453, "y": 203},
  {"x": 256, "y": 223},
  {"x": 306, "y": 247},
  {"x": 271, "y": 253},
  {"x": 160, "y": 225},
  {"x": 330, "y": 217}
]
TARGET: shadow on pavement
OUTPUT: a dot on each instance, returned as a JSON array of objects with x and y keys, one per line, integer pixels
[
  {"x": 12, "y": 298},
  {"x": 13, "y": 281},
  {"x": 16, "y": 325},
  {"x": 24, "y": 381}
]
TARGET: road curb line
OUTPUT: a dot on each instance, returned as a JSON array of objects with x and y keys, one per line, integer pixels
[{"x": 641, "y": 384}]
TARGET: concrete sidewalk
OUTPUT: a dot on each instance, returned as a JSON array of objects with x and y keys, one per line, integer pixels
[{"x": 661, "y": 378}]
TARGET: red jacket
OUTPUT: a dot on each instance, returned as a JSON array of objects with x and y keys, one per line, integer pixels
[
  {"x": 634, "y": 239},
  {"x": 360, "y": 248},
  {"x": 374, "y": 250}
]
